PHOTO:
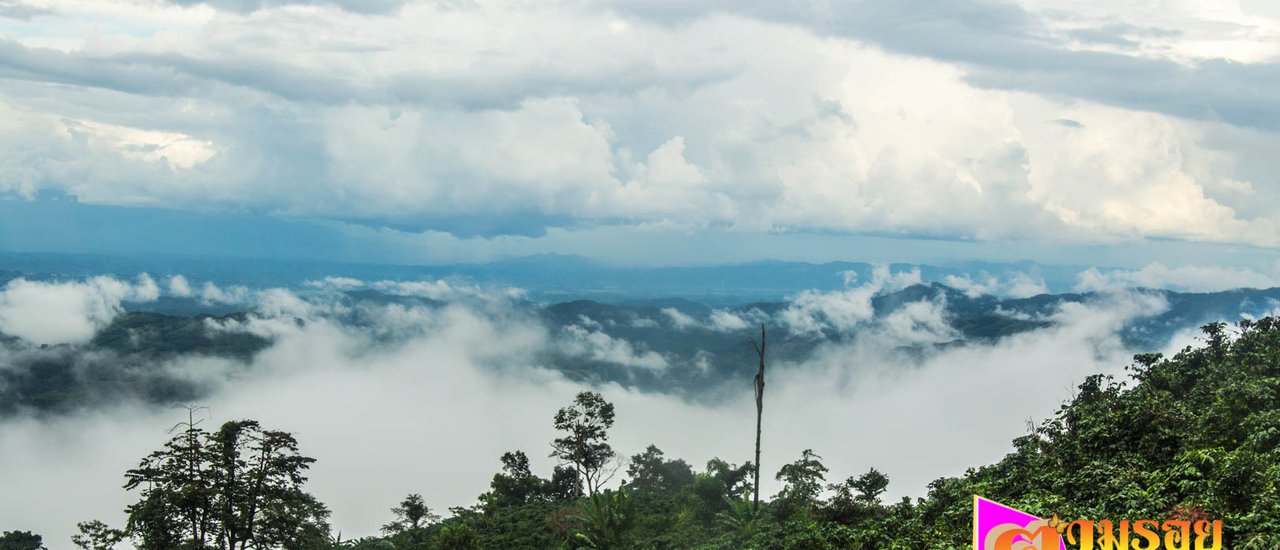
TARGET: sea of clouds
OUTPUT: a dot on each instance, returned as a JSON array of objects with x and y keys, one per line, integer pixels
[{"x": 409, "y": 397}]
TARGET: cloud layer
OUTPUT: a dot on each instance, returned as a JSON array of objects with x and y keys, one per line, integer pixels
[
  {"x": 67, "y": 313},
  {"x": 483, "y": 118},
  {"x": 424, "y": 398}
]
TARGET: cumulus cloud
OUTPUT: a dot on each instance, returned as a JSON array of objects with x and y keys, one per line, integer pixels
[
  {"x": 726, "y": 321},
  {"x": 1021, "y": 285},
  {"x": 918, "y": 323},
  {"x": 1014, "y": 285},
  {"x": 595, "y": 344},
  {"x": 811, "y": 312},
  {"x": 47, "y": 313},
  {"x": 984, "y": 284},
  {"x": 680, "y": 320},
  {"x": 405, "y": 117},
  {"x": 211, "y": 293},
  {"x": 179, "y": 286}
]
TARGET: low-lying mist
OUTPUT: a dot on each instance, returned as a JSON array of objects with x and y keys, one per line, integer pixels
[{"x": 398, "y": 396}]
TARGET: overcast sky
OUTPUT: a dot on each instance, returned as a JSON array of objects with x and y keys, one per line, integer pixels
[{"x": 810, "y": 129}]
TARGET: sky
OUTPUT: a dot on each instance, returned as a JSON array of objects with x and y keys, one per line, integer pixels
[{"x": 650, "y": 132}]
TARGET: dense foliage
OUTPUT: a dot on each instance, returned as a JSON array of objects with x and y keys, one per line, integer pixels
[
  {"x": 236, "y": 488},
  {"x": 1190, "y": 436}
]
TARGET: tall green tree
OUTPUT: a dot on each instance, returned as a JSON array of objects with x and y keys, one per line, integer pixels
[
  {"x": 585, "y": 444},
  {"x": 857, "y": 498},
  {"x": 515, "y": 485},
  {"x": 234, "y": 489},
  {"x": 651, "y": 472},
  {"x": 713, "y": 488},
  {"x": 411, "y": 515},
  {"x": 803, "y": 483}
]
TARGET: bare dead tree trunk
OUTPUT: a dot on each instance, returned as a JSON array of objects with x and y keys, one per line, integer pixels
[
  {"x": 580, "y": 465},
  {"x": 759, "y": 413}
]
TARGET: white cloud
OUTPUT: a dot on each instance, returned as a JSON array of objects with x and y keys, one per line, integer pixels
[
  {"x": 726, "y": 321},
  {"x": 235, "y": 294},
  {"x": 985, "y": 284},
  {"x": 450, "y": 116},
  {"x": 67, "y": 312},
  {"x": 1014, "y": 285},
  {"x": 1021, "y": 285},
  {"x": 811, "y": 312},
  {"x": 179, "y": 286},
  {"x": 1186, "y": 32},
  {"x": 679, "y": 319},
  {"x": 595, "y": 344},
  {"x": 340, "y": 283},
  {"x": 917, "y": 323},
  {"x": 444, "y": 290},
  {"x": 1188, "y": 278}
]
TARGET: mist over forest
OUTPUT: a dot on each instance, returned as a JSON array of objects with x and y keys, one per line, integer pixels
[{"x": 420, "y": 385}]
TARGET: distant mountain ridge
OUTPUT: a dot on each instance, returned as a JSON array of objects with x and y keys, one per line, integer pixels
[{"x": 547, "y": 277}]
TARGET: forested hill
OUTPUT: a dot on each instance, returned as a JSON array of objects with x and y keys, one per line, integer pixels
[
  {"x": 1188, "y": 437},
  {"x": 675, "y": 346}
]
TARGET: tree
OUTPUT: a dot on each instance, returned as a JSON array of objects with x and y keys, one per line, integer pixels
[
  {"x": 237, "y": 488},
  {"x": 21, "y": 540},
  {"x": 563, "y": 484},
  {"x": 720, "y": 482},
  {"x": 176, "y": 509},
  {"x": 803, "y": 483},
  {"x": 759, "y": 386},
  {"x": 869, "y": 485},
  {"x": 649, "y": 472},
  {"x": 95, "y": 535},
  {"x": 585, "y": 445},
  {"x": 857, "y": 498},
  {"x": 457, "y": 537},
  {"x": 412, "y": 514},
  {"x": 515, "y": 485}
]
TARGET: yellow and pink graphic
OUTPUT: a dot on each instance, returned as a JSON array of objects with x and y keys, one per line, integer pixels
[{"x": 1000, "y": 527}]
